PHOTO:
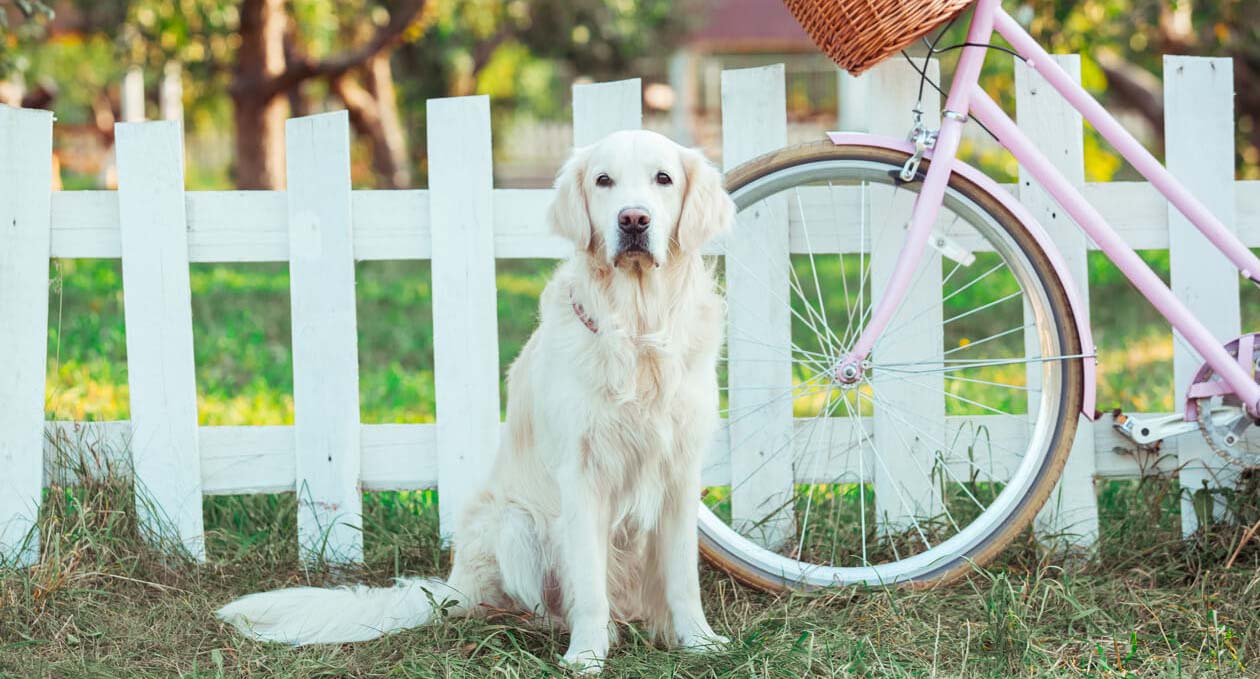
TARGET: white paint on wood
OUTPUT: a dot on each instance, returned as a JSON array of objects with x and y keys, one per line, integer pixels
[
  {"x": 599, "y": 109},
  {"x": 1199, "y": 148},
  {"x": 904, "y": 489},
  {"x": 465, "y": 325},
  {"x": 260, "y": 459},
  {"x": 393, "y": 457},
  {"x": 759, "y": 330},
  {"x": 250, "y": 226},
  {"x": 157, "y": 305},
  {"x": 1070, "y": 515},
  {"x": 852, "y": 102},
  {"x": 682, "y": 80},
  {"x": 25, "y": 189},
  {"x": 325, "y": 339}
]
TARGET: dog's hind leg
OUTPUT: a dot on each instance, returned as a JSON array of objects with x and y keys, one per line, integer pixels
[{"x": 525, "y": 566}]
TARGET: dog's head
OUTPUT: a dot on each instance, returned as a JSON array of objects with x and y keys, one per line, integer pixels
[{"x": 635, "y": 198}]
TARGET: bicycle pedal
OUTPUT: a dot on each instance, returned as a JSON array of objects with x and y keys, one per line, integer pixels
[{"x": 1146, "y": 431}]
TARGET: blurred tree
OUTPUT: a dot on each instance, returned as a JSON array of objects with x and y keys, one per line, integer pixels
[
  {"x": 260, "y": 60},
  {"x": 1128, "y": 38},
  {"x": 272, "y": 61},
  {"x": 276, "y": 48},
  {"x": 524, "y": 52},
  {"x": 20, "y": 21}
]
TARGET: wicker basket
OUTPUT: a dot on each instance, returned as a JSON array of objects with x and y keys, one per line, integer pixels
[{"x": 858, "y": 34}]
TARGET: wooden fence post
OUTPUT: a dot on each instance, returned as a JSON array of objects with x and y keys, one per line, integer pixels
[
  {"x": 759, "y": 367},
  {"x": 901, "y": 498},
  {"x": 852, "y": 102},
  {"x": 1199, "y": 148},
  {"x": 1071, "y": 513},
  {"x": 25, "y": 197},
  {"x": 158, "y": 312},
  {"x": 599, "y": 109},
  {"x": 326, "y": 430},
  {"x": 465, "y": 327}
]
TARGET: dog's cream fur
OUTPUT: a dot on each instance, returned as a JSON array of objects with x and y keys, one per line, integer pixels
[{"x": 589, "y": 513}]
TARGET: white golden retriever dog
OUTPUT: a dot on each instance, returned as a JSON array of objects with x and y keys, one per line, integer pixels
[{"x": 589, "y": 513}]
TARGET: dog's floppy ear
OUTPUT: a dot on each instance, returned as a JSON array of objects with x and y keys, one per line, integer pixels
[
  {"x": 707, "y": 210},
  {"x": 568, "y": 215}
]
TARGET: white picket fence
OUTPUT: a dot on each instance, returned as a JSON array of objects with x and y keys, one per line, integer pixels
[{"x": 462, "y": 224}]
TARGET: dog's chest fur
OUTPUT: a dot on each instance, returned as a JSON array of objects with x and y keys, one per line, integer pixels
[{"x": 633, "y": 439}]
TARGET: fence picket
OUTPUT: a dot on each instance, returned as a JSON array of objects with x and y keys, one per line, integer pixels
[
  {"x": 325, "y": 338},
  {"x": 1071, "y": 513},
  {"x": 158, "y": 312},
  {"x": 852, "y": 102},
  {"x": 1199, "y": 148},
  {"x": 465, "y": 325},
  {"x": 759, "y": 373},
  {"x": 25, "y": 200},
  {"x": 599, "y": 109},
  {"x": 899, "y": 498}
]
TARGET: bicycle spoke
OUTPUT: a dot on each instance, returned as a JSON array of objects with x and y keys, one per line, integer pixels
[
  {"x": 945, "y": 464},
  {"x": 955, "y": 364},
  {"x": 990, "y": 338},
  {"x": 879, "y": 458}
]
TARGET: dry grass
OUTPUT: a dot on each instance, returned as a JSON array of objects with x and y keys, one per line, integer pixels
[{"x": 101, "y": 604}]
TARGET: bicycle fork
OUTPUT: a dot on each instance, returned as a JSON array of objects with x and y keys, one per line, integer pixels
[{"x": 923, "y": 217}]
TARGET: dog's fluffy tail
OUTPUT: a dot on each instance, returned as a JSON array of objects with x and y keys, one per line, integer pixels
[{"x": 309, "y": 615}]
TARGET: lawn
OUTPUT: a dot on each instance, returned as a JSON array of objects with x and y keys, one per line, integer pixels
[
  {"x": 1149, "y": 605},
  {"x": 1146, "y": 605}
]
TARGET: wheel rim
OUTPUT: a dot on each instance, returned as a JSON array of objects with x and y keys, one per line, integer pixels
[{"x": 822, "y": 332}]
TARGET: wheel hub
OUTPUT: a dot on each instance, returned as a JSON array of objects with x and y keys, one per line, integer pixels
[{"x": 848, "y": 373}]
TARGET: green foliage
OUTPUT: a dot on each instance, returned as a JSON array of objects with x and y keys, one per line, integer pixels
[
  {"x": 1141, "y": 32},
  {"x": 21, "y": 23}
]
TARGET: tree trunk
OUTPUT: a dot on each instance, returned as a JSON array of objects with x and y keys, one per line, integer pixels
[
  {"x": 374, "y": 114},
  {"x": 264, "y": 76},
  {"x": 380, "y": 82},
  {"x": 259, "y": 110}
]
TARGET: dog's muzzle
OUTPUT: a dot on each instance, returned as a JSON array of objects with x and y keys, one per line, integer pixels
[{"x": 633, "y": 243}]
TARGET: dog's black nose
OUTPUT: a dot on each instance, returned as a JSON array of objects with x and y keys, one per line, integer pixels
[{"x": 633, "y": 220}]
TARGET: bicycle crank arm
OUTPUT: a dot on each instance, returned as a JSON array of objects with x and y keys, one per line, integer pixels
[{"x": 1147, "y": 431}]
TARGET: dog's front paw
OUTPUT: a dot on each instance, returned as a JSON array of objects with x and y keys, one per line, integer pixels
[
  {"x": 705, "y": 641},
  {"x": 583, "y": 661}
]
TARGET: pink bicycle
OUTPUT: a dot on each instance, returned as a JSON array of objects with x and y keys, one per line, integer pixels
[{"x": 936, "y": 384}]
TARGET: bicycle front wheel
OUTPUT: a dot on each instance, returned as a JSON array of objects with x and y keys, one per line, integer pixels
[{"x": 962, "y": 418}]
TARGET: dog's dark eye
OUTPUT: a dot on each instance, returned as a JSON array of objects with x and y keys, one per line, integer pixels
[
  {"x": 663, "y": 179},
  {"x": 603, "y": 180}
]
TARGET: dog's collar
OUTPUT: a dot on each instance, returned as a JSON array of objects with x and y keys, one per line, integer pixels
[{"x": 580, "y": 312}]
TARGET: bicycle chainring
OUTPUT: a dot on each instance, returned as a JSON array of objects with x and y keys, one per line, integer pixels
[{"x": 1222, "y": 419}]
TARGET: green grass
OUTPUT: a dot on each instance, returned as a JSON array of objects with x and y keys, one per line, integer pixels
[
  {"x": 241, "y": 331},
  {"x": 100, "y": 604}
]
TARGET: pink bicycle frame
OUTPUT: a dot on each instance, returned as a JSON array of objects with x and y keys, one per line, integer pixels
[{"x": 966, "y": 97}]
